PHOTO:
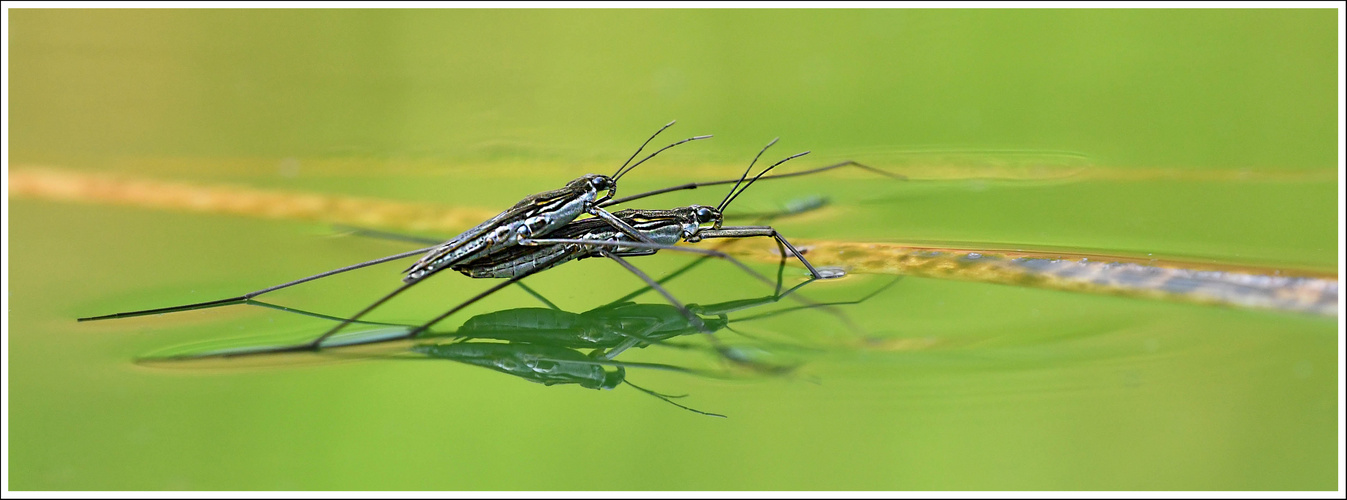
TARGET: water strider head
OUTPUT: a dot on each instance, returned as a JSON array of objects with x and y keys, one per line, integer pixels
[
  {"x": 594, "y": 183},
  {"x": 705, "y": 214},
  {"x": 694, "y": 218}
]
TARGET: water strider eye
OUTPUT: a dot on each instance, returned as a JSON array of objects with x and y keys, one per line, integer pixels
[
  {"x": 601, "y": 182},
  {"x": 705, "y": 214}
]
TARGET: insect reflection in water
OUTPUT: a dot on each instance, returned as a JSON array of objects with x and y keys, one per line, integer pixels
[{"x": 551, "y": 346}]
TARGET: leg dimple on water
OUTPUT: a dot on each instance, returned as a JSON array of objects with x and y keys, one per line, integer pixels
[{"x": 831, "y": 272}]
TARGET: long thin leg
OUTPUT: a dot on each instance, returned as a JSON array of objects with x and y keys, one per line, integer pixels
[
  {"x": 698, "y": 261},
  {"x": 695, "y": 185},
  {"x": 778, "y": 295},
  {"x": 826, "y": 306},
  {"x": 314, "y": 345},
  {"x": 387, "y": 235},
  {"x": 621, "y": 225},
  {"x": 538, "y": 296},
  {"x": 692, "y": 318},
  {"x": 748, "y": 231},
  {"x": 632, "y": 339},
  {"x": 781, "y": 267},
  {"x": 249, "y": 295},
  {"x": 780, "y": 241},
  {"x": 822, "y": 304},
  {"x": 412, "y": 333},
  {"x": 724, "y": 308},
  {"x": 761, "y": 219},
  {"x": 495, "y": 288},
  {"x": 312, "y": 314},
  {"x": 781, "y": 244},
  {"x": 317, "y": 342},
  {"x": 655, "y": 246},
  {"x": 697, "y": 322}
]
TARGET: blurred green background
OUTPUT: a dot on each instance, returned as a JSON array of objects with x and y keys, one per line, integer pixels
[{"x": 1206, "y": 134}]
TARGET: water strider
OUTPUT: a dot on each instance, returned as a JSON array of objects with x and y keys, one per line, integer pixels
[
  {"x": 591, "y": 238},
  {"x": 584, "y": 238},
  {"x": 661, "y": 230}
]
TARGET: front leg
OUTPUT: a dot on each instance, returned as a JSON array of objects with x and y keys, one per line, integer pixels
[
  {"x": 620, "y": 225},
  {"x": 749, "y": 231}
]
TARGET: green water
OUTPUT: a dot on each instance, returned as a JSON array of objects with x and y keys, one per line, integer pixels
[{"x": 933, "y": 384}]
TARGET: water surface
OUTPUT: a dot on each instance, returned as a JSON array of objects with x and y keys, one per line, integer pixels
[{"x": 1207, "y": 135}]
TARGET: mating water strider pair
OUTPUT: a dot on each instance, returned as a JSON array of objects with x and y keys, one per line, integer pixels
[{"x": 542, "y": 231}]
